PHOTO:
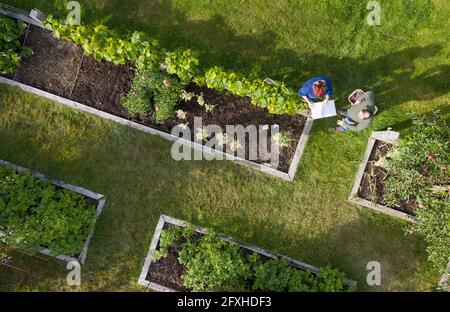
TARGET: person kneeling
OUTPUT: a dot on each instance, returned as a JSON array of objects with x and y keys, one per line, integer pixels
[{"x": 359, "y": 116}]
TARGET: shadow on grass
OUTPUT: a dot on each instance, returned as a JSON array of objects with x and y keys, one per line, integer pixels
[
  {"x": 391, "y": 76},
  {"x": 141, "y": 181}
]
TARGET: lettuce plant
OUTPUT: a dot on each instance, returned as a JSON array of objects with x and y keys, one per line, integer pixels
[{"x": 11, "y": 49}]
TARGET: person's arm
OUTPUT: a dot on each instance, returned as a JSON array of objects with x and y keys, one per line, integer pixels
[{"x": 307, "y": 100}]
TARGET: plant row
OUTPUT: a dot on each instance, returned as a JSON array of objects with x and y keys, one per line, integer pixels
[
  {"x": 213, "y": 264},
  {"x": 11, "y": 49},
  {"x": 419, "y": 169},
  {"x": 147, "y": 55},
  {"x": 35, "y": 214}
]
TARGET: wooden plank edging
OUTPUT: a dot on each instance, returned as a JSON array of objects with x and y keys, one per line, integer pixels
[{"x": 384, "y": 136}]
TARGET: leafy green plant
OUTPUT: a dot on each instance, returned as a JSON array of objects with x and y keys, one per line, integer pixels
[
  {"x": 104, "y": 44},
  {"x": 137, "y": 101},
  {"x": 421, "y": 161},
  {"x": 33, "y": 214},
  {"x": 279, "y": 276},
  {"x": 11, "y": 49},
  {"x": 282, "y": 139},
  {"x": 182, "y": 63},
  {"x": 214, "y": 264},
  {"x": 276, "y": 97},
  {"x": 155, "y": 91},
  {"x": 433, "y": 224},
  {"x": 417, "y": 168}
]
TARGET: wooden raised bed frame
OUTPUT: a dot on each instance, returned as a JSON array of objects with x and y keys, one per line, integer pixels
[
  {"x": 289, "y": 176},
  {"x": 100, "y": 199},
  {"x": 384, "y": 136},
  {"x": 163, "y": 219}
]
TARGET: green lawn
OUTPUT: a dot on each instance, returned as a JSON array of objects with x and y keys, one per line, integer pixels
[{"x": 406, "y": 61}]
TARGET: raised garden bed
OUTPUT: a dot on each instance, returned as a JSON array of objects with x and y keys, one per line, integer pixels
[
  {"x": 380, "y": 143},
  {"x": 165, "y": 274},
  {"x": 96, "y": 200},
  {"x": 58, "y": 70}
]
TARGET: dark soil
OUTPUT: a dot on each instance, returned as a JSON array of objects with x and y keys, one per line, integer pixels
[
  {"x": 372, "y": 186},
  {"x": 54, "y": 64},
  {"x": 235, "y": 110},
  {"x": 102, "y": 84}
]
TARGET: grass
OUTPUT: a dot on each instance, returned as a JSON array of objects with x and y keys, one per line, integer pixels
[{"x": 405, "y": 61}]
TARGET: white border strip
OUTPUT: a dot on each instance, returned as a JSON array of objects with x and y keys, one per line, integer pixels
[
  {"x": 19, "y": 15},
  {"x": 388, "y": 137},
  {"x": 163, "y": 219},
  {"x": 193, "y": 145},
  {"x": 99, "y": 209}
]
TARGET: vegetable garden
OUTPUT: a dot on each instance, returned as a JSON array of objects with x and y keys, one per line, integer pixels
[
  {"x": 184, "y": 258},
  {"x": 413, "y": 178},
  {"x": 135, "y": 79},
  {"x": 126, "y": 76}
]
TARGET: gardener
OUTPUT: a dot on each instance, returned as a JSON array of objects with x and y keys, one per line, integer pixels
[
  {"x": 317, "y": 89},
  {"x": 359, "y": 116}
]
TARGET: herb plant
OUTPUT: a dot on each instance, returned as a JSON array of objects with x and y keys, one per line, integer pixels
[{"x": 155, "y": 91}]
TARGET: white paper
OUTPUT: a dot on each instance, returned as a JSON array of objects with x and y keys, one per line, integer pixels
[{"x": 322, "y": 110}]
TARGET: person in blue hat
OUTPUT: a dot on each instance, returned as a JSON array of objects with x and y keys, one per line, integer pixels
[{"x": 318, "y": 89}]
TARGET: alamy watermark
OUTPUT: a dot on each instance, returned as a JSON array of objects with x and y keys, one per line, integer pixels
[
  {"x": 374, "y": 16},
  {"x": 374, "y": 276},
  {"x": 74, "y": 16},
  {"x": 251, "y": 142},
  {"x": 74, "y": 276}
]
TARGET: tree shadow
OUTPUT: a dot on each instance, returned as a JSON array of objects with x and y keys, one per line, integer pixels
[{"x": 392, "y": 76}]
